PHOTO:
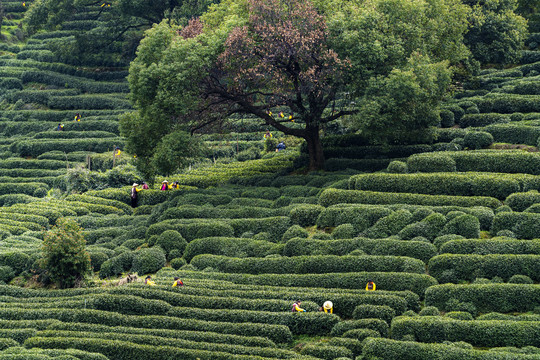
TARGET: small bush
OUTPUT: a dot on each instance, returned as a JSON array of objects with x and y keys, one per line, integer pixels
[
  {"x": 327, "y": 352},
  {"x": 6, "y": 273},
  {"x": 467, "y": 226},
  {"x": 97, "y": 259},
  {"x": 293, "y": 232},
  {"x": 305, "y": 215},
  {"x": 344, "y": 231},
  {"x": 440, "y": 163},
  {"x": 429, "y": 311},
  {"x": 170, "y": 240},
  {"x": 459, "y": 315},
  {"x": 521, "y": 201},
  {"x": 148, "y": 260},
  {"x": 177, "y": 263},
  {"x": 478, "y": 139},
  {"x": 397, "y": 167},
  {"x": 520, "y": 279},
  {"x": 447, "y": 118},
  {"x": 382, "y": 312},
  {"x": 360, "y": 334}
]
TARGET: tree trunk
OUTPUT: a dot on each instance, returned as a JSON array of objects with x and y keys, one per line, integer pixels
[{"x": 315, "y": 150}]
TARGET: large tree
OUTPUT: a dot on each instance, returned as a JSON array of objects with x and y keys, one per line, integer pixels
[{"x": 309, "y": 60}]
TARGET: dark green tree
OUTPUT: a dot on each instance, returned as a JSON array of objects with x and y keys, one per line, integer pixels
[
  {"x": 403, "y": 106},
  {"x": 63, "y": 254},
  {"x": 496, "y": 33}
]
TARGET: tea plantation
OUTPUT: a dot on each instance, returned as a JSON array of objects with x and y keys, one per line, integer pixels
[{"x": 449, "y": 232}]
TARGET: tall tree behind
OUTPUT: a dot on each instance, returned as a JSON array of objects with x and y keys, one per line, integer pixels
[{"x": 261, "y": 57}]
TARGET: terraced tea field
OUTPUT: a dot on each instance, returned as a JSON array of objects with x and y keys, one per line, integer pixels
[{"x": 449, "y": 232}]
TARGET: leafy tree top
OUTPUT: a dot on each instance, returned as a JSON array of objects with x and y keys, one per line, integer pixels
[{"x": 307, "y": 59}]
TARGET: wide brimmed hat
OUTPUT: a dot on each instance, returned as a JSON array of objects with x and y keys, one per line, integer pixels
[
  {"x": 164, "y": 181},
  {"x": 135, "y": 184}
]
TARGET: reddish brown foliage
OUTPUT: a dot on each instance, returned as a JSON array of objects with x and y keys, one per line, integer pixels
[{"x": 194, "y": 28}]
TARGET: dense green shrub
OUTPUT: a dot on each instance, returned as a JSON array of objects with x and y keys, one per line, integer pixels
[
  {"x": 429, "y": 311},
  {"x": 507, "y": 103},
  {"x": 305, "y": 215},
  {"x": 397, "y": 167},
  {"x": 447, "y": 118},
  {"x": 520, "y": 279},
  {"x": 309, "y": 264},
  {"x": 117, "y": 265},
  {"x": 177, "y": 263},
  {"x": 419, "y": 250},
  {"x": 343, "y": 231},
  {"x": 491, "y": 246},
  {"x": 171, "y": 240},
  {"x": 97, "y": 259},
  {"x": 327, "y": 352},
  {"x": 148, "y": 260},
  {"x": 416, "y": 283},
  {"x": 480, "y": 120},
  {"x": 459, "y": 315},
  {"x": 386, "y": 349},
  {"x": 478, "y": 140},
  {"x": 268, "y": 193},
  {"x": 460, "y": 184},
  {"x": 482, "y": 333},
  {"x": 434, "y": 163},
  {"x": 481, "y": 161},
  {"x": 275, "y": 226},
  {"x": 360, "y": 216},
  {"x": 382, "y": 312},
  {"x": 521, "y": 201},
  {"x": 64, "y": 255},
  {"x": 336, "y": 196},
  {"x": 373, "y": 324},
  {"x": 295, "y": 231},
  {"x": 6, "y": 273},
  {"x": 524, "y": 225},
  {"x": 428, "y": 227},
  {"x": 389, "y": 225},
  {"x": 352, "y": 344},
  {"x": 514, "y": 133},
  {"x": 360, "y": 334},
  {"x": 467, "y": 226},
  {"x": 235, "y": 247},
  {"x": 469, "y": 267}
]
